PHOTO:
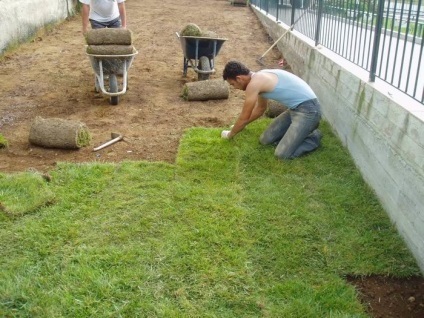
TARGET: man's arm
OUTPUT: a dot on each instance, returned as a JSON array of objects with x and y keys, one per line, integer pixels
[
  {"x": 253, "y": 108},
  {"x": 123, "y": 14},
  {"x": 259, "y": 109},
  {"x": 85, "y": 13}
]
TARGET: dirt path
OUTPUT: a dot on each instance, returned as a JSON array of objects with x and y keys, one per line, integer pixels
[{"x": 52, "y": 77}]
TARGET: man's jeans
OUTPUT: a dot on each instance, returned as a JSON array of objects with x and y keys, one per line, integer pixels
[
  {"x": 295, "y": 130},
  {"x": 116, "y": 23}
]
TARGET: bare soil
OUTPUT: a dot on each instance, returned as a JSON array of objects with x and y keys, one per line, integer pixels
[
  {"x": 390, "y": 297},
  {"x": 51, "y": 77}
]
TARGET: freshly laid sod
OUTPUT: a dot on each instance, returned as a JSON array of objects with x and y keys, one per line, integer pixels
[
  {"x": 23, "y": 193},
  {"x": 228, "y": 231}
]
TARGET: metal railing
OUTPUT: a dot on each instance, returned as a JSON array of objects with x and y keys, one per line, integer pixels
[{"x": 386, "y": 38}]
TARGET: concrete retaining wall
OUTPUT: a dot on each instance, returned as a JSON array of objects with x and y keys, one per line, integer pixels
[
  {"x": 382, "y": 128},
  {"x": 20, "y": 19}
]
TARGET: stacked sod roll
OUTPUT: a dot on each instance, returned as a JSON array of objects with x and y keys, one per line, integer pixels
[
  {"x": 109, "y": 41},
  {"x": 193, "y": 29}
]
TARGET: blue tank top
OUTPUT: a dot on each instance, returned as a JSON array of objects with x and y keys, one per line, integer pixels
[{"x": 290, "y": 89}]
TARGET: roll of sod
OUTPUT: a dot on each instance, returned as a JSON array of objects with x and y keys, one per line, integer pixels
[
  {"x": 109, "y": 36},
  {"x": 110, "y": 49},
  {"x": 191, "y": 29},
  {"x": 274, "y": 109},
  {"x": 59, "y": 133},
  {"x": 206, "y": 90}
]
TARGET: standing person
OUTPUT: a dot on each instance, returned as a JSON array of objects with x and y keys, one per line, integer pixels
[
  {"x": 103, "y": 14},
  {"x": 295, "y": 130}
]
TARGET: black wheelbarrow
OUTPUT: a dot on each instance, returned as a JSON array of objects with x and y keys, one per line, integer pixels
[{"x": 199, "y": 54}]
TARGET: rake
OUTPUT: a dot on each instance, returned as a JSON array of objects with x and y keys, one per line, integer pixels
[{"x": 259, "y": 60}]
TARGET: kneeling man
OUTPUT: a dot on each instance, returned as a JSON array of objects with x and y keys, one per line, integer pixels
[{"x": 294, "y": 131}]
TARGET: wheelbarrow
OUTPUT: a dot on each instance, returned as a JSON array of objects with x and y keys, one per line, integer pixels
[
  {"x": 199, "y": 54},
  {"x": 107, "y": 69}
]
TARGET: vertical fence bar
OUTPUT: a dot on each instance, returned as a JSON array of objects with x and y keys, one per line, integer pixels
[
  {"x": 377, "y": 35},
  {"x": 318, "y": 25},
  {"x": 408, "y": 27},
  {"x": 332, "y": 40},
  {"x": 362, "y": 35},
  {"x": 363, "y": 61},
  {"x": 386, "y": 27},
  {"x": 340, "y": 25},
  {"x": 276, "y": 9},
  {"x": 356, "y": 32},
  {"x": 418, "y": 73},
  {"x": 344, "y": 27},
  {"x": 420, "y": 55},
  {"x": 398, "y": 38}
]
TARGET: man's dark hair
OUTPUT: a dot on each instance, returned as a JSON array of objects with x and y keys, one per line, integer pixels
[{"x": 234, "y": 69}]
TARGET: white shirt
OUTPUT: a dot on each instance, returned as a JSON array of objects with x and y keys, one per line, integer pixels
[{"x": 103, "y": 10}]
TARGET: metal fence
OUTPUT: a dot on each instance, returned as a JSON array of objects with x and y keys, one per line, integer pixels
[{"x": 386, "y": 38}]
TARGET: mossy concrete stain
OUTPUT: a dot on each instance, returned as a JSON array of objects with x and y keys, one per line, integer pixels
[{"x": 337, "y": 76}]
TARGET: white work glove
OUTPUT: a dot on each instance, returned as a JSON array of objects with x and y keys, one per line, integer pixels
[{"x": 225, "y": 133}]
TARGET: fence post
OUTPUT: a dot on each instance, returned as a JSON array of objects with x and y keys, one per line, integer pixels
[
  {"x": 377, "y": 36},
  {"x": 318, "y": 26},
  {"x": 277, "y": 9}
]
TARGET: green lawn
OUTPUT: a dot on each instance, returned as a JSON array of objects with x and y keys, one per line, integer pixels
[{"x": 228, "y": 231}]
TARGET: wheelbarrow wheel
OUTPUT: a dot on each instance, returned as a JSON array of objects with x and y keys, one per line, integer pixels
[
  {"x": 204, "y": 65},
  {"x": 113, "y": 88}
]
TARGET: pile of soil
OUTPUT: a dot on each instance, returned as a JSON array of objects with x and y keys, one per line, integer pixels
[{"x": 52, "y": 77}]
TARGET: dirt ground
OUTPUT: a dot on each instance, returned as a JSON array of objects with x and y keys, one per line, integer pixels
[{"x": 51, "y": 77}]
